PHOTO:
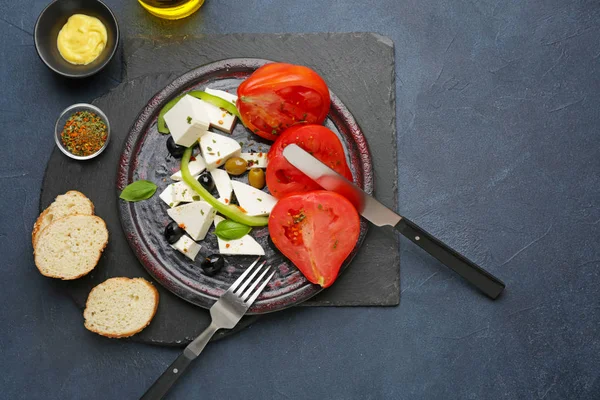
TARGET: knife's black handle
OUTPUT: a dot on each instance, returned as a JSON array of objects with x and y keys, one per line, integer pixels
[
  {"x": 483, "y": 280},
  {"x": 162, "y": 385}
]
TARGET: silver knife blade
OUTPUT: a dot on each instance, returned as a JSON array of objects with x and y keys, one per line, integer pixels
[{"x": 328, "y": 179}]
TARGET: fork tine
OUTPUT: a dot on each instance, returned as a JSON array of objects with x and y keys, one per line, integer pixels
[
  {"x": 256, "y": 283},
  {"x": 260, "y": 288},
  {"x": 248, "y": 280},
  {"x": 242, "y": 276}
]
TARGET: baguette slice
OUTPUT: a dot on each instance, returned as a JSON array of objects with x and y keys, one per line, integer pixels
[
  {"x": 70, "y": 247},
  {"x": 70, "y": 203},
  {"x": 120, "y": 307}
]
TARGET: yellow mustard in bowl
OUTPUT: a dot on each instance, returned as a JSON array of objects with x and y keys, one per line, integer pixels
[{"x": 82, "y": 39}]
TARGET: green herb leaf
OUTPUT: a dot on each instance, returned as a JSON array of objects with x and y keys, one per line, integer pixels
[
  {"x": 189, "y": 120},
  {"x": 138, "y": 190},
  {"x": 231, "y": 230}
]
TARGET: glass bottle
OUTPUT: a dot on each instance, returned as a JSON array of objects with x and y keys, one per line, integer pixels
[{"x": 171, "y": 9}]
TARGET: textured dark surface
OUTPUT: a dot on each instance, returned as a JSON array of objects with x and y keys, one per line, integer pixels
[
  {"x": 144, "y": 156},
  {"x": 497, "y": 110},
  {"x": 176, "y": 322}
]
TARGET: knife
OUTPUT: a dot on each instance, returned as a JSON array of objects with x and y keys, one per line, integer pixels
[{"x": 380, "y": 215}]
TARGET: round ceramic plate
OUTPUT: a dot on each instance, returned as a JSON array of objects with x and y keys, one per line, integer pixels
[{"x": 145, "y": 156}]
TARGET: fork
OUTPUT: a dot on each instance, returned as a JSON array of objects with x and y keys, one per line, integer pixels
[{"x": 225, "y": 314}]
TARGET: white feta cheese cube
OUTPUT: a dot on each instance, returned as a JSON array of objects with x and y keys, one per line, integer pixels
[
  {"x": 187, "y": 120},
  {"x": 196, "y": 167},
  {"x": 255, "y": 160},
  {"x": 232, "y": 98},
  {"x": 168, "y": 196},
  {"x": 254, "y": 201},
  {"x": 246, "y": 245},
  {"x": 195, "y": 218},
  {"x": 219, "y": 118},
  {"x": 223, "y": 184},
  {"x": 187, "y": 247},
  {"x": 182, "y": 193},
  {"x": 216, "y": 149}
]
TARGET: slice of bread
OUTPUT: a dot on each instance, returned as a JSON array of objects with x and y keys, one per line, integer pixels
[
  {"x": 120, "y": 307},
  {"x": 70, "y": 203},
  {"x": 70, "y": 247}
]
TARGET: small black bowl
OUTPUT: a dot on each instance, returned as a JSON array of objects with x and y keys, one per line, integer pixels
[{"x": 51, "y": 21}]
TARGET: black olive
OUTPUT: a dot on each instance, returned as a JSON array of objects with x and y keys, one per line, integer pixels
[
  {"x": 212, "y": 264},
  {"x": 207, "y": 181},
  {"x": 173, "y": 232},
  {"x": 174, "y": 149}
]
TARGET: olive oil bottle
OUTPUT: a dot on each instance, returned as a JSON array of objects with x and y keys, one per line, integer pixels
[{"x": 171, "y": 9}]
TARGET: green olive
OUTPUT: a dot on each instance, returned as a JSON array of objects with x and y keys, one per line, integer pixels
[
  {"x": 236, "y": 166},
  {"x": 256, "y": 178}
]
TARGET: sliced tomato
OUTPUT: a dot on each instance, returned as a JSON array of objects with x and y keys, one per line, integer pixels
[
  {"x": 316, "y": 231},
  {"x": 284, "y": 179},
  {"x": 278, "y": 95}
]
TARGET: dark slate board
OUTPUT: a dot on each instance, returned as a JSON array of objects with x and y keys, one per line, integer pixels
[
  {"x": 176, "y": 322},
  {"x": 359, "y": 68}
]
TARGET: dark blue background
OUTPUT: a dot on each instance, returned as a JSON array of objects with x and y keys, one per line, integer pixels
[{"x": 499, "y": 155}]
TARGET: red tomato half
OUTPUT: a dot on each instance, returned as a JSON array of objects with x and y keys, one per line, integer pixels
[
  {"x": 316, "y": 231},
  {"x": 284, "y": 179},
  {"x": 277, "y": 96}
]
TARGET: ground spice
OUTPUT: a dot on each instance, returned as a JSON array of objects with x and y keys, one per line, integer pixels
[{"x": 84, "y": 133}]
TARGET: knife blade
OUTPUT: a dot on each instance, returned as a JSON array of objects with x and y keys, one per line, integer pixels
[{"x": 380, "y": 215}]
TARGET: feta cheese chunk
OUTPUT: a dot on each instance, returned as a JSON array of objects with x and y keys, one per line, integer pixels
[
  {"x": 187, "y": 247},
  {"x": 195, "y": 218},
  {"x": 255, "y": 160},
  {"x": 219, "y": 118},
  {"x": 196, "y": 167},
  {"x": 168, "y": 196},
  {"x": 216, "y": 149},
  {"x": 182, "y": 193},
  {"x": 223, "y": 184},
  {"x": 246, "y": 245},
  {"x": 254, "y": 201},
  {"x": 187, "y": 120},
  {"x": 232, "y": 98}
]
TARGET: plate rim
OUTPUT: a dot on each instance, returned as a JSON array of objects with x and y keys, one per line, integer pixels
[{"x": 338, "y": 113}]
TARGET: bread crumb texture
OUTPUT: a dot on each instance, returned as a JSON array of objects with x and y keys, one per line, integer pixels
[
  {"x": 70, "y": 247},
  {"x": 120, "y": 307},
  {"x": 70, "y": 203}
]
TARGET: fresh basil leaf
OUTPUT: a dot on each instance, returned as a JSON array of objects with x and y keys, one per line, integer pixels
[
  {"x": 138, "y": 190},
  {"x": 231, "y": 230}
]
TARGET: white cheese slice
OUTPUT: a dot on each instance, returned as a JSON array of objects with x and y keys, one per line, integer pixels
[
  {"x": 187, "y": 120},
  {"x": 216, "y": 149},
  {"x": 254, "y": 201},
  {"x": 196, "y": 167},
  {"x": 168, "y": 196},
  {"x": 219, "y": 118},
  {"x": 246, "y": 245},
  {"x": 187, "y": 247},
  {"x": 223, "y": 184},
  {"x": 182, "y": 193},
  {"x": 222, "y": 94},
  {"x": 255, "y": 160},
  {"x": 195, "y": 218}
]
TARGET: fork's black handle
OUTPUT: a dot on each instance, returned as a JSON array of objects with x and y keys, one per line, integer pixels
[
  {"x": 162, "y": 385},
  {"x": 480, "y": 278}
]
